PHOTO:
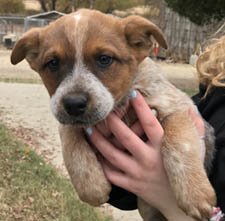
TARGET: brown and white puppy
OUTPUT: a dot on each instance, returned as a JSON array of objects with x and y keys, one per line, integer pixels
[{"x": 89, "y": 63}]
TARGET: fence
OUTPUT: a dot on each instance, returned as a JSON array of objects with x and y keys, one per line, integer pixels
[
  {"x": 184, "y": 37},
  {"x": 11, "y": 25},
  {"x": 16, "y": 26},
  {"x": 34, "y": 22}
]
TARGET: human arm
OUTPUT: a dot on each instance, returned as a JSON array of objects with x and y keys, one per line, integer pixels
[{"x": 142, "y": 171}]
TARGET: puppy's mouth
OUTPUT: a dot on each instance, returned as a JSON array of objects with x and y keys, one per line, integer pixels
[
  {"x": 81, "y": 122},
  {"x": 76, "y": 122},
  {"x": 93, "y": 115}
]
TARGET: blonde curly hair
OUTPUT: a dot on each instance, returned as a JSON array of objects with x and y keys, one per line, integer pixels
[{"x": 211, "y": 65}]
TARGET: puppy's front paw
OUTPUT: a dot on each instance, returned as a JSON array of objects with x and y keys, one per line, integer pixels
[
  {"x": 181, "y": 156},
  {"x": 197, "y": 199},
  {"x": 83, "y": 167},
  {"x": 92, "y": 190}
]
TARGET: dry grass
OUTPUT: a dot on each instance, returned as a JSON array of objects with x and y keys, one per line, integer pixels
[{"x": 33, "y": 191}]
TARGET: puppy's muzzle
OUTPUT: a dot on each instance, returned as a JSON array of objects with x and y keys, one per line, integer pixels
[{"x": 75, "y": 105}]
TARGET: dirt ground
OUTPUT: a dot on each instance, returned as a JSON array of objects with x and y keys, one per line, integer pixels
[
  {"x": 182, "y": 75},
  {"x": 25, "y": 109}
]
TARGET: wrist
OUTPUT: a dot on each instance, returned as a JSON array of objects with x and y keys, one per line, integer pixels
[
  {"x": 169, "y": 208},
  {"x": 177, "y": 214},
  {"x": 174, "y": 213}
]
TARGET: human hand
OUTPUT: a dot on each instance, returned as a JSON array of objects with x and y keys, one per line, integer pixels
[{"x": 133, "y": 164}]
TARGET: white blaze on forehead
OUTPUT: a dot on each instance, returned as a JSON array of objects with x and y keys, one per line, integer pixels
[
  {"x": 77, "y": 17},
  {"x": 81, "y": 27}
]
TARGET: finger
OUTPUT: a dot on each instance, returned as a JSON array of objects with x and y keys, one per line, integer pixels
[
  {"x": 103, "y": 129},
  {"x": 108, "y": 134},
  {"x": 127, "y": 138},
  {"x": 117, "y": 178},
  {"x": 116, "y": 143},
  {"x": 149, "y": 122},
  {"x": 111, "y": 153},
  {"x": 122, "y": 111},
  {"x": 102, "y": 126},
  {"x": 104, "y": 162},
  {"x": 137, "y": 129}
]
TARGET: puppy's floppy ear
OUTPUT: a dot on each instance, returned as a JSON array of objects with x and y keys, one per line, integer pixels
[
  {"x": 138, "y": 31},
  {"x": 26, "y": 47}
]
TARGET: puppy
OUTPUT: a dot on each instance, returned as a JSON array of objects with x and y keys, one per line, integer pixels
[{"x": 89, "y": 63}]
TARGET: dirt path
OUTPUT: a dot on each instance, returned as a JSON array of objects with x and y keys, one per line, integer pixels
[
  {"x": 183, "y": 75},
  {"x": 25, "y": 109}
]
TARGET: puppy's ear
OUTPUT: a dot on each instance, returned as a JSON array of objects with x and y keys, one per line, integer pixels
[
  {"x": 138, "y": 31},
  {"x": 26, "y": 47}
]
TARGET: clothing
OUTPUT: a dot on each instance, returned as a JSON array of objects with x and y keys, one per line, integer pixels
[
  {"x": 212, "y": 109},
  {"x": 122, "y": 199}
]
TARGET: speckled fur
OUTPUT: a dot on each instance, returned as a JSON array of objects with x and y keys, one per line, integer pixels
[
  {"x": 76, "y": 40},
  {"x": 187, "y": 176}
]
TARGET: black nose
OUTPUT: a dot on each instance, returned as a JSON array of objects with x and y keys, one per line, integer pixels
[{"x": 75, "y": 105}]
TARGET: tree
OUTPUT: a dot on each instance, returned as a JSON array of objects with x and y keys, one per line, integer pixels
[
  {"x": 92, "y": 2},
  {"x": 200, "y": 11},
  {"x": 106, "y": 6},
  {"x": 125, "y": 4},
  {"x": 65, "y": 5},
  {"x": 11, "y": 6},
  {"x": 48, "y": 5}
]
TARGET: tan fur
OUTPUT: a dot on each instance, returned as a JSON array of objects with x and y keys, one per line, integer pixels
[
  {"x": 187, "y": 176},
  {"x": 82, "y": 165},
  {"x": 77, "y": 40},
  {"x": 193, "y": 192}
]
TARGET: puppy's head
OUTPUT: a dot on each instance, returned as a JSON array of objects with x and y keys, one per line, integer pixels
[{"x": 87, "y": 61}]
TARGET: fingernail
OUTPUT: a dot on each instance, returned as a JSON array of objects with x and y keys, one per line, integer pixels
[
  {"x": 196, "y": 109},
  {"x": 154, "y": 112},
  {"x": 89, "y": 131},
  {"x": 133, "y": 94}
]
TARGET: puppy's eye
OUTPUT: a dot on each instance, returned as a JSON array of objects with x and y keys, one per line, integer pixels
[
  {"x": 104, "y": 61},
  {"x": 53, "y": 65}
]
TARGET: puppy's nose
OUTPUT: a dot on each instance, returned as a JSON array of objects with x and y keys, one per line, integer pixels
[{"x": 75, "y": 105}]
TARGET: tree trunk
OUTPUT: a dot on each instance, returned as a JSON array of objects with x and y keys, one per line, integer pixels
[
  {"x": 91, "y": 4},
  {"x": 73, "y": 5},
  {"x": 54, "y": 4},
  {"x": 43, "y": 5}
]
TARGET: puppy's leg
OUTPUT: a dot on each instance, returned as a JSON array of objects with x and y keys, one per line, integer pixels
[
  {"x": 149, "y": 213},
  {"x": 181, "y": 155},
  {"x": 84, "y": 169}
]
